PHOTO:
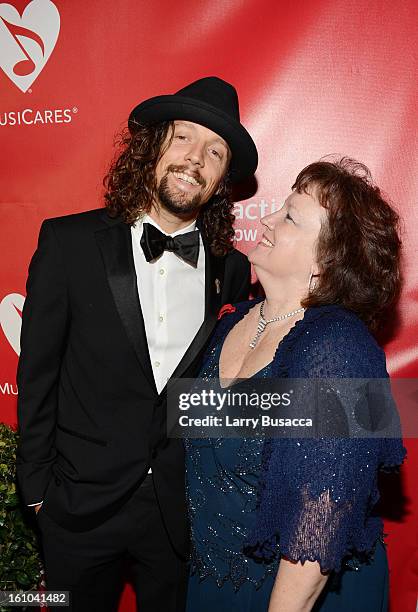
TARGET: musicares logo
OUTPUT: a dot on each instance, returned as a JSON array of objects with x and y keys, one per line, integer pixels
[
  {"x": 27, "y": 41},
  {"x": 11, "y": 319}
]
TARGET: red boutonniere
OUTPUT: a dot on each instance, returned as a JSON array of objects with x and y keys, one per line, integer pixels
[{"x": 226, "y": 309}]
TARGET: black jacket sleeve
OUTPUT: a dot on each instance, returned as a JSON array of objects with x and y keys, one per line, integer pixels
[{"x": 44, "y": 328}]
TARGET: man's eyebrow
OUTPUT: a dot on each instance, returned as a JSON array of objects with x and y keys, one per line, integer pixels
[
  {"x": 188, "y": 125},
  {"x": 222, "y": 142},
  {"x": 218, "y": 139}
]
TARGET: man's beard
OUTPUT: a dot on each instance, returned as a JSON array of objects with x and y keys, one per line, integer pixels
[{"x": 177, "y": 202}]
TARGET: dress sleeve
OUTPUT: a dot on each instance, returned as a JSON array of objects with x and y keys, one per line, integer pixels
[{"x": 317, "y": 495}]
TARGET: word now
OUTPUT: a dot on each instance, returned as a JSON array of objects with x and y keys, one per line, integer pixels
[{"x": 248, "y": 235}]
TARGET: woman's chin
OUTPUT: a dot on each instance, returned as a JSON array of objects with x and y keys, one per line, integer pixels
[
  {"x": 256, "y": 254},
  {"x": 253, "y": 250}
]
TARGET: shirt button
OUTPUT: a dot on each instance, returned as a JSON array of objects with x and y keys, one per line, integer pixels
[
  {"x": 157, "y": 364},
  {"x": 162, "y": 271},
  {"x": 161, "y": 318}
]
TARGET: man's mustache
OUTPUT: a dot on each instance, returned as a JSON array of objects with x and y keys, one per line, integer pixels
[{"x": 186, "y": 170}]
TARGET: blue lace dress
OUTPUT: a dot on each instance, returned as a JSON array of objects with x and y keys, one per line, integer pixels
[{"x": 252, "y": 502}]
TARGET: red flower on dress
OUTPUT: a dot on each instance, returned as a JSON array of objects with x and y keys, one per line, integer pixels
[{"x": 226, "y": 309}]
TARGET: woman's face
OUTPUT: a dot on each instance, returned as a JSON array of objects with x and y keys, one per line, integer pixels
[{"x": 287, "y": 247}]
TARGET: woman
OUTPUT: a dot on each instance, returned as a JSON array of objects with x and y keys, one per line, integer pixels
[{"x": 289, "y": 525}]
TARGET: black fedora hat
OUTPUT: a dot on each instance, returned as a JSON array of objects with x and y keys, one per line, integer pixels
[{"x": 210, "y": 102}]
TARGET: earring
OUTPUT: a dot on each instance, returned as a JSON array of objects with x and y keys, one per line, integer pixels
[{"x": 311, "y": 276}]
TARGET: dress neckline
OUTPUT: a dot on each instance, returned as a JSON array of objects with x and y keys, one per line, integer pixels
[
  {"x": 286, "y": 344},
  {"x": 242, "y": 309}
]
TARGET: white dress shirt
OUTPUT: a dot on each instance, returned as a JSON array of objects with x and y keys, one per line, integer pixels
[{"x": 172, "y": 296}]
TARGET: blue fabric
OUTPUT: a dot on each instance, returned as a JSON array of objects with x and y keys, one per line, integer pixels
[
  {"x": 363, "y": 590},
  {"x": 222, "y": 478},
  {"x": 302, "y": 499}
]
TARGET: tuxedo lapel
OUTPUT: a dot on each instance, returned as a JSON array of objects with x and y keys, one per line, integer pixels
[{"x": 115, "y": 244}]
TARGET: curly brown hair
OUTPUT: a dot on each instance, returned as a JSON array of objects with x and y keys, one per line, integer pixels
[
  {"x": 358, "y": 248},
  {"x": 131, "y": 185}
]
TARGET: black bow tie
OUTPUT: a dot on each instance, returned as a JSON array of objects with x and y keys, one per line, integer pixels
[{"x": 154, "y": 243}]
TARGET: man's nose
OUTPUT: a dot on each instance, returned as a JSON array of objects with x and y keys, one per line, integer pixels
[{"x": 196, "y": 155}]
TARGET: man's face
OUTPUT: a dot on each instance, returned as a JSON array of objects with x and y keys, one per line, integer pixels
[{"x": 191, "y": 168}]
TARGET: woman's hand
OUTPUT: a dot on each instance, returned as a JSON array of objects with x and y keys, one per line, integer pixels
[{"x": 297, "y": 586}]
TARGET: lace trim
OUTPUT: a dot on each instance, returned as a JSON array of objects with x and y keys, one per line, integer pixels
[{"x": 269, "y": 551}]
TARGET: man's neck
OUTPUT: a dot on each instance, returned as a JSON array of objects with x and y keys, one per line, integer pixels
[{"x": 169, "y": 222}]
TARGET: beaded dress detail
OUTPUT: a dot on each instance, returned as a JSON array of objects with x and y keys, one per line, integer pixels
[{"x": 221, "y": 482}]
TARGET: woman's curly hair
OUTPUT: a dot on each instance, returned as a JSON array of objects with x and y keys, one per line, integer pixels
[
  {"x": 358, "y": 248},
  {"x": 131, "y": 185}
]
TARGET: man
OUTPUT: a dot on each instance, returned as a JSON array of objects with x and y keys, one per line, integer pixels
[{"x": 118, "y": 301}]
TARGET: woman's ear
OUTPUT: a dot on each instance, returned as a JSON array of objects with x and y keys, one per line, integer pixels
[
  {"x": 313, "y": 276},
  {"x": 314, "y": 270}
]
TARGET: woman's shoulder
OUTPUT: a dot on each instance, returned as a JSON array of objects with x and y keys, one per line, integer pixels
[
  {"x": 335, "y": 321},
  {"x": 337, "y": 338}
]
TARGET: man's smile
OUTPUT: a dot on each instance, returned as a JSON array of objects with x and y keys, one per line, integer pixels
[{"x": 182, "y": 176}]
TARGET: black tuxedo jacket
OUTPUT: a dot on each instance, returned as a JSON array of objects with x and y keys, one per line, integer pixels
[{"x": 91, "y": 421}]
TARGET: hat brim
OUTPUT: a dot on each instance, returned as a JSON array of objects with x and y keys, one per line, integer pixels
[{"x": 171, "y": 107}]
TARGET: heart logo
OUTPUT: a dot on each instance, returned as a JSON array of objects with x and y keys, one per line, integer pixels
[
  {"x": 27, "y": 41},
  {"x": 11, "y": 319}
]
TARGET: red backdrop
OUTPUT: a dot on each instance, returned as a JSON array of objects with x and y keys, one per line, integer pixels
[{"x": 314, "y": 77}]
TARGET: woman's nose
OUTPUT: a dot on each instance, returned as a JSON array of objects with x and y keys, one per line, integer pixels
[{"x": 269, "y": 221}]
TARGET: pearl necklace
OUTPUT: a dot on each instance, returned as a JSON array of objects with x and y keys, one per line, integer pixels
[{"x": 262, "y": 323}]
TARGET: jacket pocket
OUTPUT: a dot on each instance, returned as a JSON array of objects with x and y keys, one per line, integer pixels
[{"x": 76, "y": 434}]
